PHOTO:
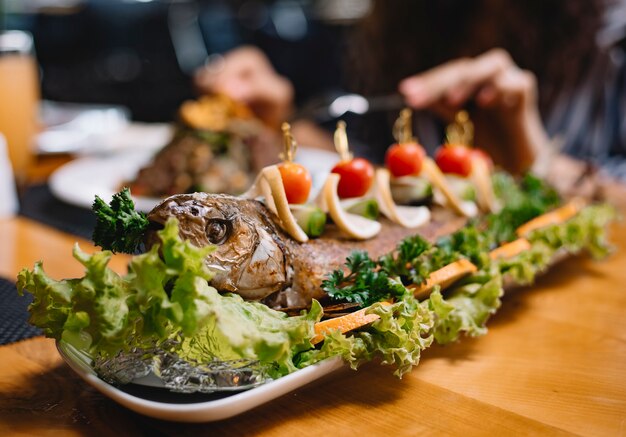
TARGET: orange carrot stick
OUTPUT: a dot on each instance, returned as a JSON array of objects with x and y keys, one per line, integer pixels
[
  {"x": 443, "y": 277},
  {"x": 345, "y": 323},
  {"x": 559, "y": 215},
  {"x": 509, "y": 250}
]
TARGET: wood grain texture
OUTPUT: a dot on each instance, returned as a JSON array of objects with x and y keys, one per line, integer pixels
[{"x": 553, "y": 363}]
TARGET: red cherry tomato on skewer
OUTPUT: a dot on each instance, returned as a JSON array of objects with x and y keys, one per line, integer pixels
[
  {"x": 454, "y": 159},
  {"x": 405, "y": 159},
  {"x": 296, "y": 180},
  {"x": 479, "y": 153},
  {"x": 357, "y": 176}
]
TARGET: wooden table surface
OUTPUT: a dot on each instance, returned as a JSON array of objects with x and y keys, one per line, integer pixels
[{"x": 553, "y": 362}]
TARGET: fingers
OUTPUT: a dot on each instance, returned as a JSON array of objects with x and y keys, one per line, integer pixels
[
  {"x": 226, "y": 73},
  {"x": 492, "y": 79},
  {"x": 455, "y": 81},
  {"x": 246, "y": 75},
  {"x": 512, "y": 89},
  {"x": 482, "y": 70}
]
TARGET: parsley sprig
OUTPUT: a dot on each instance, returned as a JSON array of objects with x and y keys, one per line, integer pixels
[
  {"x": 522, "y": 202},
  {"x": 119, "y": 227},
  {"x": 414, "y": 259},
  {"x": 369, "y": 281},
  {"x": 365, "y": 283}
]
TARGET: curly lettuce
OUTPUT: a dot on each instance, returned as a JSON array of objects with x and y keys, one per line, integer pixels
[
  {"x": 164, "y": 296},
  {"x": 466, "y": 309},
  {"x": 240, "y": 329},
  {"x": 403, "y": 331},
  {"x": 585, "y": 231}
]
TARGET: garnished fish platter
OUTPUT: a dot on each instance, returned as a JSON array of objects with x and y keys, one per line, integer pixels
[{"x": 244, "y": 298}]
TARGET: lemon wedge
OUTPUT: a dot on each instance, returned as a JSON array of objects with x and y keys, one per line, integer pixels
[
  {"x": 407, "y": 216},
  {"x": 269, "y": 184},
  {"x": 431, "y": 171},
  {"x": 355, "y": 226},
  {"x": 484, "y": 188}
]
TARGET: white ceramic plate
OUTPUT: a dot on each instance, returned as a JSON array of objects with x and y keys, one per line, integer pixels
[
  {"x": 79, "y": 181},
  {"x": 161, "y": 404}
]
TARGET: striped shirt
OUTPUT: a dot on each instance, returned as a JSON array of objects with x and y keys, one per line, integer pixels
[{"x": 589, "y": 122}]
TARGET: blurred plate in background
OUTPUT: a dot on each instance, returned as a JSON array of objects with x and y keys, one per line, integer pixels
[
  {"x": 79, "y": 181},
  {"x": 87, "y": 129}
]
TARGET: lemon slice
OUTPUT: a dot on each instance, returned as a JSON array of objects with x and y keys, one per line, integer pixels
[
  {"x": 484, "y": 188},
  {"x": 469, "y": 208},
  {"x": 269, "y": 184},
  {"x": 353, "y": 225},
  {"x": 407, "y": 216},
  {"x": 431, "y": 171}
]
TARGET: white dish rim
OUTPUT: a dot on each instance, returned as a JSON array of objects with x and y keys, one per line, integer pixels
[{"x": 199, "y": 411}]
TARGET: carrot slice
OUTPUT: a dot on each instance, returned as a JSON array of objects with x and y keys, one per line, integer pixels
[
  {"x": 509, "y": 250},
  {"x": 344, "y": 324},
  {"x": 557, "y": 216},
  {"x": 443, "y": 277}
]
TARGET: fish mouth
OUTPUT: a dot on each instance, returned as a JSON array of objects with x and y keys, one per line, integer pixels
[{"x": 155, "y": 226}]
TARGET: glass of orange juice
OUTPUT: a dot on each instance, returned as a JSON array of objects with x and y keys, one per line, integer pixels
[{"x": 19, "y": 99}]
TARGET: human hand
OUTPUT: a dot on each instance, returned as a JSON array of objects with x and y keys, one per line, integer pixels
[
  {"x": 246, "y": 75},
  {"x": 506, "y": 116}
]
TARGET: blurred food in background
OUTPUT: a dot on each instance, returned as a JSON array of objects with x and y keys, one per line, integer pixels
[
  {"x": 142, "y": 53},
  {"x": 210, "y": 151}
]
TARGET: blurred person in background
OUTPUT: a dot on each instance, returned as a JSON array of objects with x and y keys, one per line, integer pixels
[
  {"x": 142, "y": 53},
  {"x": 536, "y": 76},
  {"x": 533, "y": 73}
]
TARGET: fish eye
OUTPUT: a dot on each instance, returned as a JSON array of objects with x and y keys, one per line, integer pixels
[{"x": 217, "y": 231}]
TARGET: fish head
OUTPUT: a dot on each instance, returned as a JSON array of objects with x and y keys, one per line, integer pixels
[{"x": 250, "y": 252}]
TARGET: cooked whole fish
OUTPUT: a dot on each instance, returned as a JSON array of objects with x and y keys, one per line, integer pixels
[{"x": 257, "y": 260}]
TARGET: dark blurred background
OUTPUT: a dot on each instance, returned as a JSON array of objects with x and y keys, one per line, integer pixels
[{"x": 142, "y": 53}]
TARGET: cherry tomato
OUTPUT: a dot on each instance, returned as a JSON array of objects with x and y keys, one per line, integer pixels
[
  {"x": 357, "y": 176},
  {"x": 483, "y": 155},
  {"x": 405, "y": 159},
  {"x": 297, "y": 181},
  {"x": 454, "y": 159}
]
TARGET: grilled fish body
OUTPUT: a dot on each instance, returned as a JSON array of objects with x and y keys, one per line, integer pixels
[{"x": 257, "y": 260}]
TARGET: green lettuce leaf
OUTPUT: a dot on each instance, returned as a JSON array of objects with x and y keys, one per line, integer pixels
[
  {"x": 521, "y": 202},
  {"x": 523, "y": 268},
  {"x": 105, "y": 312},
  {"x": 466, "y": 309},
  {"x": 241, "y": 329},
  {"x": 164, "y": 296},
  {"x": 585, "y": 231},
  {"x": 403, "y": 331},
  {"x": 90, "y": 311}
]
